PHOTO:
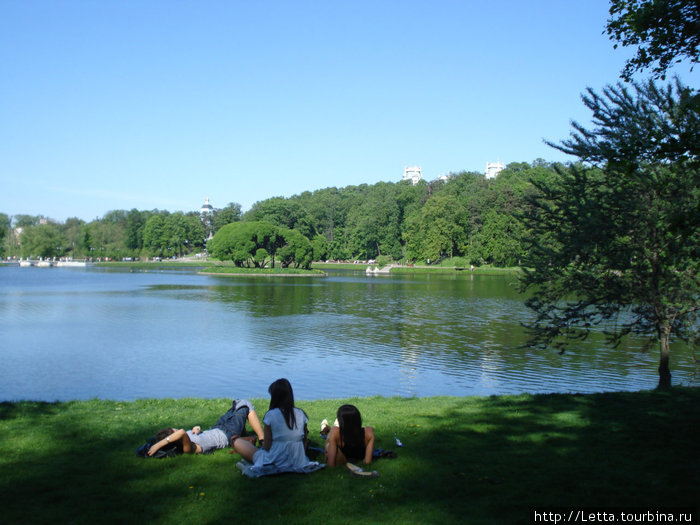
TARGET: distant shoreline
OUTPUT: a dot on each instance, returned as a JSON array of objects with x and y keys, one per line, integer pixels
[{"x": 265, "y": 274}]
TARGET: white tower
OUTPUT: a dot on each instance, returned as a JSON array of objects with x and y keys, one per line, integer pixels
[
  {"x": 206, "y": 208},
  {"x": 413, "y": 173},
  {"x": 493, "y": 169}
]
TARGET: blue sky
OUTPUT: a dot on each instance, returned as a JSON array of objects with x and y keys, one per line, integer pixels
[{"x": 158, "y": 104}]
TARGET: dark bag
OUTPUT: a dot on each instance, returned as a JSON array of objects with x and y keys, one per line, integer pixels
[{"x": 167, "y": 451}]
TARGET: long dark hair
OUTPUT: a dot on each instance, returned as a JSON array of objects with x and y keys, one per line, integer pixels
[
  {"x": 350, "y": 422},
  {"x": 282, "y": 397},
  {"x": 165, "y": 432}
]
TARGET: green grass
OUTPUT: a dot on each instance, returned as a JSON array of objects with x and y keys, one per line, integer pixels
[
  {"x": 154, "y": 265},
  {"x": 465, "y": 460},
  {"x": 445, "y": 267},
  {"x": 227, "y": 267},
  {"x": 208, "y": 267},
  {"x": 231, "y": 270},
  {"x": 478, "y": 270},
  {"x": 341, "y": 266}
]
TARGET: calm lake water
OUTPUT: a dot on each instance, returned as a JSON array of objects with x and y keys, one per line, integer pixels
[{"x": 115, "y": 334}]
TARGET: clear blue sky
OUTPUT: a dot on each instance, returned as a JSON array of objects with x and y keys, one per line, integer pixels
[{"x": 158, "y": 104}]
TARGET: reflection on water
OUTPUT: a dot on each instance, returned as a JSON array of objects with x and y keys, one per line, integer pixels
[{"x": 82, "y": 333}]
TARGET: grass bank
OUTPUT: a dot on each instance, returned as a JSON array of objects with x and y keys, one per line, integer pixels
[
  {"x": 208, "y": 267},
  {"x": 478, "y": 270},
  {"x": 155, "y": 265},
  {"x": 227, "y": 267},
  {"x": 444, "y": 267},
  {"x": 232, "y": 271},
  {"x": 465, "y": 460}
]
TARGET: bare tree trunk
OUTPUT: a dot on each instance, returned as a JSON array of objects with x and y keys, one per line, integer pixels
[{"x": 664, "y": 357}]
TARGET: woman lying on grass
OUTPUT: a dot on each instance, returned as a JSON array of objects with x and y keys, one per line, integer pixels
[
  {"x": 227, "y": 429},
  {"x": 350, "y": 441}
]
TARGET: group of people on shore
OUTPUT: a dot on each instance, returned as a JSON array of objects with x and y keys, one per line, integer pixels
[{"x": 283, "y": 435}]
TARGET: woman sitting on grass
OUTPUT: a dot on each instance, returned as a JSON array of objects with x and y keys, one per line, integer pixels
[
  {"x": 285, "y": 430},
  {"x": 227, "y": 429},
  {"x": 350, "y": 441}
]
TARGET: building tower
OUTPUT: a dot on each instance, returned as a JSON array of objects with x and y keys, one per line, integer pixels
[
  {"x": 413, "y": 173},
  {"x": 493, "y": 169},
  {"x": 207, "y": 209}
]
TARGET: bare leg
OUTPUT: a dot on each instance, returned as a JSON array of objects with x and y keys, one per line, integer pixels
[
  {"x": 340, "y": 458},
  {"x": 334, "y": 456},
  {"x": 255, "y": 424},
  {"x": 245, "y": 449}
]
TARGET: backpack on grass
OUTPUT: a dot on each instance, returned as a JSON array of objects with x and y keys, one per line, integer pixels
[{"x": 167, "y": 451}]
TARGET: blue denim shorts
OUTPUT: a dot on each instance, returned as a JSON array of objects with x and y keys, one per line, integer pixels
[{"x": 232, "y": 423}]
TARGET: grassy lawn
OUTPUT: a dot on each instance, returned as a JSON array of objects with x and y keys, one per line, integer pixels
[
  {"x": 155, "y": 265},
  {"x": 447, "y": 266},
  {"x": 464, "y": 460},
  {"x": 231, "y": 270},
  {"x": 478, "y": 270},
  {"x": 227, "y": 267}
]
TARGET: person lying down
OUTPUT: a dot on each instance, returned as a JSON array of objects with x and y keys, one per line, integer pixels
[{"x": 227, "y": 429}]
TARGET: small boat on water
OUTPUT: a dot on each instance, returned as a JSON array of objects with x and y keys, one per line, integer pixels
[
  {"x": 47, "y": 263},
  {"x": 71, "y": 264},
  {"x": 376, "y": 270}
]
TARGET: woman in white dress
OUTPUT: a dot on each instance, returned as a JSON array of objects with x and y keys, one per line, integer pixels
[{"x": 285, "y": 430}]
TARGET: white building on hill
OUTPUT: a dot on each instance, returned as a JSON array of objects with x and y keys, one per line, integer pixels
[
  {"x": 493, "y": 169},
  {"x": 206, "y": 208},
  {"x": 413, "y": 173}
]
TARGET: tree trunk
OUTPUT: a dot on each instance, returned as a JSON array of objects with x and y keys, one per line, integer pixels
[{"x": 664, "y": 357}]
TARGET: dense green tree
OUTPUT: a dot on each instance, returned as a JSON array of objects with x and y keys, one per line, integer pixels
[
  {"x": 437, "y": 230},
  {"x": 195, "y": 233},
  {"x": 326, "y": 210},
  {"x": 498, "y": 240},
  {"x": 473, "y": 192},
  {"x": 664, "y": 31},
  {"x": 45, "y": 240},
  {"x": 23, "y": 221},
  {"x": 135, "y": 221},
  {"x": 76, "y": 235},
  {"x": 174, "y": 234},
  {"x": 282, "y": 212},
  {"x": 154, "y": 235},
  {"x": 617, "y": 238},
  {"x": 295, "y": 250},
  {"x": 5, "y": 232},
  {"x": 107, "y": 237},
  {"x": 338, "y": 248},
  {"x": 246, "y": 243},
  {"x": 226, "y": 215},
  {"x": 374, "y": 227},
  {"x": 320, "y": 248}
]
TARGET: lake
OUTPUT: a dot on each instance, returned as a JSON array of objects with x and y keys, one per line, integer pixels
[{"x": 119, "y": 334}]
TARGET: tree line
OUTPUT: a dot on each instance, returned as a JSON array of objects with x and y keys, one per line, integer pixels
[{"x": 465, "y": 216}]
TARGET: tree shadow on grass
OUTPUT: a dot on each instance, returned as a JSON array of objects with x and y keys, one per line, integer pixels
[
  {"x": 10, "y": 411},
  {"x": 510, "y": 454},
  {"x": 465, "y": 460},
  {"x": 76, "y": 462}
]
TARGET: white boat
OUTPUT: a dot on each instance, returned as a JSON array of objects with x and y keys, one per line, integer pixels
[
  {"x": 71, "y": 264},
  {"x": 376, "y": 270}
]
